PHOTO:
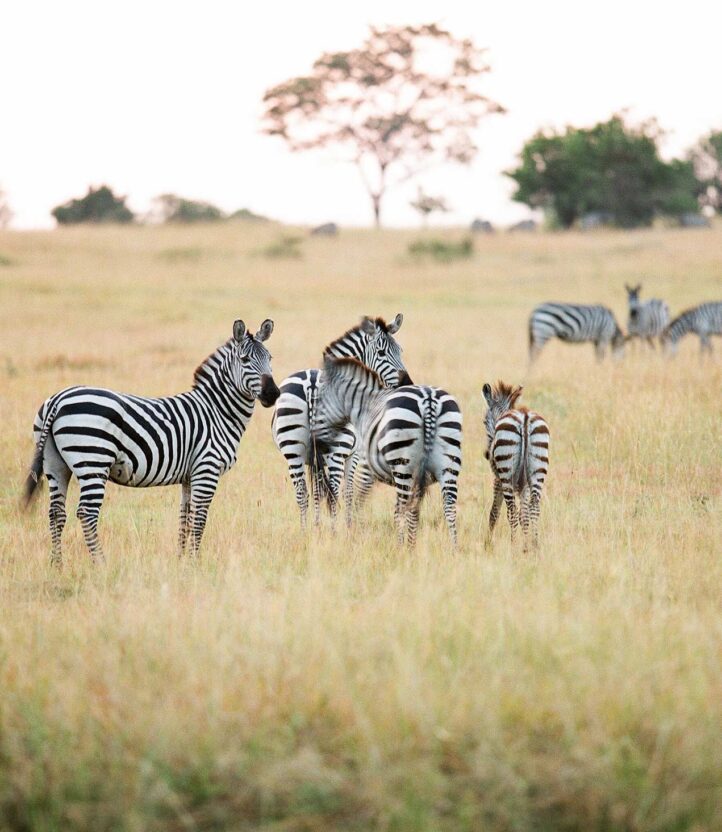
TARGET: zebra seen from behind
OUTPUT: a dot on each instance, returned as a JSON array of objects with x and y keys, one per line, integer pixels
[
  {"x": 190, "y": 439},
  {"x": 704, "y": 320},
  {"x": 518, "y": 452},
  {"x": 372, "y": 342},
  {"x": 647, "y": 319},
  {"x": 574, "y": 323},
  {"x": 408, "y": 437}
]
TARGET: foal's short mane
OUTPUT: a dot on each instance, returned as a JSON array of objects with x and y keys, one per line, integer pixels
[
  {"x": 380, "y": 322},
  {"x": 502, "y": 390},
  {"x": 356, "y": 365}
]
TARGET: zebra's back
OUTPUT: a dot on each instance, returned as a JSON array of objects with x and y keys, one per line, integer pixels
[
  {"x": 520, "y": 450},
  {"x": 571, "y": 322}
]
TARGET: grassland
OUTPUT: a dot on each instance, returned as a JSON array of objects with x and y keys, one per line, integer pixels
[{"x": 320, "y": 682}]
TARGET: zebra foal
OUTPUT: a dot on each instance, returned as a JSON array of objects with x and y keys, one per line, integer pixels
[
  {"x": 704, "y": 320},
  {"x": 518, "y": 452},
  {"x": 190, "y": 439},
  {"x": 647, "y": 319},
  {"x": 574, "y": 323},
  {"x": 372, "y": 343},
  {"x": 408, "y": 437}
]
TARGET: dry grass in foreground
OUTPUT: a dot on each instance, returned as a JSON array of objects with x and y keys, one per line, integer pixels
[{"x": 318, "y": 682}]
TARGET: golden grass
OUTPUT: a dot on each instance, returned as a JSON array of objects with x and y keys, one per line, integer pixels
[{"x": 323, "y": 682}]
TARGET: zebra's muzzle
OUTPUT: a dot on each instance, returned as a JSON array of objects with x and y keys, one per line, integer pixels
[{"x": 269, "y": 391}]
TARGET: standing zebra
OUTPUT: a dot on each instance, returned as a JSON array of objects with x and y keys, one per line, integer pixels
[
  {"x": 187, "y": 440},
  {"x": 704, "y": 320},
  {"x": 647, "y": 319},
  {"x": 409, "y": 437},
  {"x": 574, "y": 323},
  {"x": 518, "y": 452},
  {"x": 372, "y": 343}
]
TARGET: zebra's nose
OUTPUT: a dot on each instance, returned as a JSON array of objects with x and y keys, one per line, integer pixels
[
  {"x": 269, "y": 391},
  {"x": 404, "y": 378}
]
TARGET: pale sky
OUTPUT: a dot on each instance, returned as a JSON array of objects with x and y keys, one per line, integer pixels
[{"x": 154, "y": 96}]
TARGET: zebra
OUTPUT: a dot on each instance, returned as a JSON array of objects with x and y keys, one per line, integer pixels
[
  {"x": 190, "y": 439},
  {"x": 409, "y": 436},
  {"x": 371, "y": 342},
  {"x": 705, "y": 320},
  {"x": 518, "y": 452},
  {"x": 647, "y": 319},
  {"x": 574, "y": 323}
]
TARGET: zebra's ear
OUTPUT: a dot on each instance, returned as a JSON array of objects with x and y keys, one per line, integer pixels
[
  {"x": 264, "y": 333},
  {"x": 486, "y": 390},
  {"x": 395, "y": 325},
  {"x": 368, "y": 326},
  {"x": 239, "y": 330},
  {"x": 626, "y": 286}
]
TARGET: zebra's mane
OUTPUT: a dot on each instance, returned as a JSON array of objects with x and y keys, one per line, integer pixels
[
  {"x": 335, "y": 366},
  {"x": 355, "y": 330},
  {"x": 212, "y": 361},
  {"x": 505, "y": 391}
]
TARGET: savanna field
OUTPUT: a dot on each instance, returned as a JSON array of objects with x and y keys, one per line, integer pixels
[{"x": 320, "y": 681}]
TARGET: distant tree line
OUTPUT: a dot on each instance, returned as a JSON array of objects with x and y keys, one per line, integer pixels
[
  {"x": 614, "y": 170},
  {"x": 101, "y": 205}
]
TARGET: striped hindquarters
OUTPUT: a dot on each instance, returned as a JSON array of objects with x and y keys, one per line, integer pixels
[
  {"x": 571, "y": 322},
  {"x": 520, "y": 450}
]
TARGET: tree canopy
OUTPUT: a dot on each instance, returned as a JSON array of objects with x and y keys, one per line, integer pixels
[
  {"x": 612, "y": 168},
  {"x": 407, "y": 98},
  {"x": 98, "y": 205},
  {"x": 172, "y": 208},
  {"x": 707, "y": 160}
]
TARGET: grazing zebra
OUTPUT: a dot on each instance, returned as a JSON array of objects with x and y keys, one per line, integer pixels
[
  {"x": 372, "y": 342},
  {"x": 518, "y": 452},
  {"x": 574, "y": 323},
  {"x": 704, "y": 320},
  {"x": 647, "y": 319},
  {"x": 409, "y": 437},
  {"x": 189, "y": 439}
]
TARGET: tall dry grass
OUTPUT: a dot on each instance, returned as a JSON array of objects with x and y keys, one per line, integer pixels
[{"x": 289, "y": 681}]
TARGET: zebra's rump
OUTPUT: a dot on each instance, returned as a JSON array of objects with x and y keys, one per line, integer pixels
[{"x": 520, "y": 450}]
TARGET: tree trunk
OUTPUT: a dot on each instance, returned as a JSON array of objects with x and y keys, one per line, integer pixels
[{"x": 376, "y": 201}]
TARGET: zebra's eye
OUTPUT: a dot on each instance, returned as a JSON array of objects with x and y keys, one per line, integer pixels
[
  {"x": 382, "y": 351},
  {"x": 245, "y": 359}
]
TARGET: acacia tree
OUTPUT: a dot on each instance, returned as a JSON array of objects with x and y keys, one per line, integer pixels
[
  {"x": 406, "y": 99},
  {"x": 425, "y": 205},
  {"x": 707, "y": 159}
]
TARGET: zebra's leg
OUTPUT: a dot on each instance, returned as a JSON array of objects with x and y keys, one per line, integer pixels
[
  {"x": 203, "y": 486},
  {"x": 400, "y": 513},
  {"x": 535, "y": 347},
  {"x": 335, "y": 465},
  {"x": 650, "y": 341},
  {"x": 524, "y": 510},
  {"x": 534, "y": 501},
  {"x": 511, "y": 509},
  {"x": 298, "y": 478},
  {"x": 494, "y": 514},
  {"x": 449, "y": 496},
  {"x": 600, "y": 348},
  {"x": 92, "y": 492},
  {"x": 58, "y": 475},
  {"x": 317, "y": 489},
  {"x": 412, "y": 521},
  {"x": 351, "y": 465},
  {"x": 184, "y": 517},
  {"x": 705, "y": 345},
  {"x": 363, "y": 489}
]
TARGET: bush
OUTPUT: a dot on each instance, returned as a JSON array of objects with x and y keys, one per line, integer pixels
[
  {"x": 99, "y": 205},
  {"x": 172, "y": 208},
  {"x": 443, "y": 251},
  {"x": 286, "y": 247}
]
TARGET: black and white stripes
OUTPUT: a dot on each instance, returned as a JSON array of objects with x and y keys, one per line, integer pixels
[
  {"x": 408, "y": 437},
  {"x": 647, "y": 319},
  {"x": 190, "y": 439},
  {"x": 704, "y": 320},
  {"x": 574, "y": 323}
]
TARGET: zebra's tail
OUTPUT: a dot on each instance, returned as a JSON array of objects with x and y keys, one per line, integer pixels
[
  {"x": 319, "y": 474},
  {"x": 421, "y": 479},
  {"x": 33, "y": 478}
]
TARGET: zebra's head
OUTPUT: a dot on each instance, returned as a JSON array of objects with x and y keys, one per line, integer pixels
[
  {"x": 633, "y": 299},
  {"x": 669, "y": 343},
  {"x": 382, "y": 354},
  {"x": 619, "y": 339},
  {"x": 251, "y": 363},
  {"x": 499, "y": 399}
]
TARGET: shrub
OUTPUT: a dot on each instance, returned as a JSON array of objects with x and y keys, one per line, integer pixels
[
  {"x": 286, "y": 247},
  {"x": 172, "y": 208},
  {"x": 98, "y": 205},
  {"x": 443, "y": 251}
]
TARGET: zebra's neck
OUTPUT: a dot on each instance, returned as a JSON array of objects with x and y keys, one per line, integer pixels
[
  {"x": 681, "y": 325},
  {"x": 213, "y": 384},
  {"x": 351, "y": 344}
]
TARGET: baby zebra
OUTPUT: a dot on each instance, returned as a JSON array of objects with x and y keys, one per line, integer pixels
[
  {"x": 647, "y": 319},
  {"x": 575, "y": 324},
  {"x": 408, "y": 437},
  {"x": 518, "y": 452},
  {"x": 187, "y": 440},
  {"x": 705, "y": 320}
]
